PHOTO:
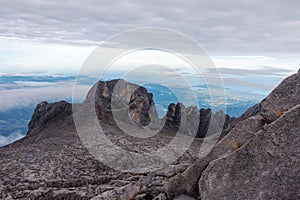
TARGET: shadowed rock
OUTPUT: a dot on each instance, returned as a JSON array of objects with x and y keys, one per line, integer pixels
[
  {"x": 48, "y": 112},
  {"x": 126, "y": 101},
  {"x": 208, "y": 123}
]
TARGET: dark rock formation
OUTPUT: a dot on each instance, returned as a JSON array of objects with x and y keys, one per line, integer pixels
[
  {"x": 209, "y": 123},
  {"x": 118, "y": 98},
  {"x": 48, "y": 112},
  {"x": 205, "y": 117},
  {"x": 173, "y": 117}
]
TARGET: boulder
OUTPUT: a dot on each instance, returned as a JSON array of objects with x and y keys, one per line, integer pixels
[
  {"x": 240, "y": 132},
  {"x": 266, "y": 167}
]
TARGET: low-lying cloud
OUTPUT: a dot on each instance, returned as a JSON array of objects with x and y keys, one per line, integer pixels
[
  {"x": 4, "y": 140},
  {"x": 264, "y": 70},
  {"x": 29, "y": 96}
]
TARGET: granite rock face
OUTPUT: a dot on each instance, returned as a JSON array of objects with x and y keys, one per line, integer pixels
[
  {"x": 185, "y": 118},
  {"x": 120, "y": 99},
  {"x": 282, "y": 98},
  {"x": 127, "y": 102},
  {"x": 266, "y": 167},
  {"x": 173, "y": 116},
  {"x": 276, "y": 116},
  {"x": 46, "y": 112},
  {"x": 51, "y": 162},
  {"x": 257, "y": 157}
]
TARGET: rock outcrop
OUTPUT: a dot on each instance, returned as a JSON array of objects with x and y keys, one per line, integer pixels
[
  {"x": 127, "y": 102},
  {"x": 258, "y": 156},
  {"x": 274, "y": 111},
  {"x": 266, "y": 167},
  {"x": 45, "y": 113},
  {"x": 50, "y": 162},
  {"x": 281, "y": 99},
  {"x": 185, "y": 118},
  {"x": 120, "y": 99},
  {"x": 173, "y": 117}
]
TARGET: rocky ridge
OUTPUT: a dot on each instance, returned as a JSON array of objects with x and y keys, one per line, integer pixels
[
  {"x": 123, "y": 101},
  {"x": 115, "y": 95},
  {"x": 257, "y": 158},
  {"x": 266, "y": 132}
]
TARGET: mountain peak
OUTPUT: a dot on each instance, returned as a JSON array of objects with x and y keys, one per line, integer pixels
[
  {"x": 258, "y": 154},
  {"x": 256, "y": 150},
  {"x": 45, "y": 113},
  {"x": 118, "y": 95}
]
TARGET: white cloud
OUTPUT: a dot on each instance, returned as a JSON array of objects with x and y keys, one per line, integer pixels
[
  {"x": 60, "y": 39},
  {"x": 13, "y": 98},
  {"x": 23, "y": 55},
  {"x": 257, "y": 62},
  {"x": 4, "y": 140},
  {"x": 228, "y": 26}
]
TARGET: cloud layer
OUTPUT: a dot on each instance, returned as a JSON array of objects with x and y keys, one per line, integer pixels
[
  {"x": 4, "y": 140},
  {"x": 221, "y": 26},
  {"x": 17, "y": 94}
]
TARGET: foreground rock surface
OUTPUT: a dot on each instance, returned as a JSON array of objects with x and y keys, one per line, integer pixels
[
  {"x": 266, "y": 167},
  {"x": 258, "y": 157},
  {"x": 52, "y": 163},
  {"x": 280, "y": 101}
]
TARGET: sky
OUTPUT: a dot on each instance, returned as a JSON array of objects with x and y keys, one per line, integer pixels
[
  {"x": 253, "y": 44},
  {"x": 57, "y": 36}
]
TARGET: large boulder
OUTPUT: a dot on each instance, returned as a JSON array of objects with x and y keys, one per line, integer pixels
[
  {"x": 240, "y": 132},
  {"x": 285, "y": 96},
  {"x": 187, "y": 182},
  {"x": 266, "y": 167}
]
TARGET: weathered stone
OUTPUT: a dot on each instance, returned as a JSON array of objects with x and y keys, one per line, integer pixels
[
  {"x": 118, "y": 99},
  {"x": 258, "y": 159},
  {"x": 173, "y": 117},
  {"x": 240, "y": 132},
  {"x": 161, "y": 196},
  {"x": 205, "y": 117},
  {"x": 267, "y": 167},
  {"x": 52, "y": 163},
  {"x": 186, "y": 119},
  {"x": 183, "y": 197},
  {"x": 108, "y": 195},
  {"x": 45, "y": 113}
]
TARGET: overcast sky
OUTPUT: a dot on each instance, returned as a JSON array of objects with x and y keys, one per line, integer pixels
[
  {"x": 254, "y": 43},
  {"x": 59, "y": 35}
]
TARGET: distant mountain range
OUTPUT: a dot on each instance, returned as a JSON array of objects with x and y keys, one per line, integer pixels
[{"x": 20, "y": 94}]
